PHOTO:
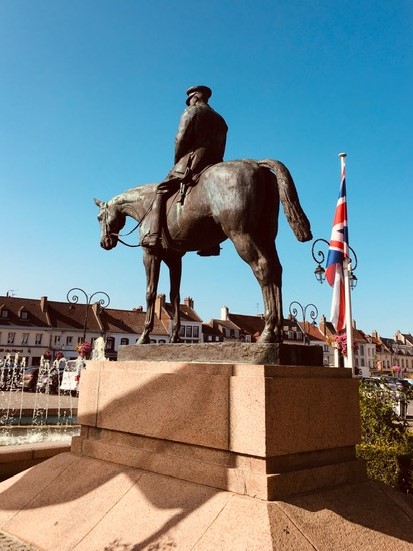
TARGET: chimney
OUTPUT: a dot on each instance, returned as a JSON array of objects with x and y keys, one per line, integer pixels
[
  {"x": 323, "y": 325},
  {"x": 224, "y": 313},
  {"x": 189, "y": 302},
  {"x": 43, "y": 304},
  {"x": 44, "y": 308},
  {"x": 97, "y": 310},
  {"x": 159, "y": 305}
]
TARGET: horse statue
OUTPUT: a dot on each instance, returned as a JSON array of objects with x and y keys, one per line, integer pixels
[{"x": 238, "y": 200}]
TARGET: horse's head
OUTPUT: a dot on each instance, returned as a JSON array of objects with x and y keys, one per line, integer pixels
[{"x": 111, "y": 221}]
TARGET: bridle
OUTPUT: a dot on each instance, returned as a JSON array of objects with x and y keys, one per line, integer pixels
[{"x": 119, "y": 235}]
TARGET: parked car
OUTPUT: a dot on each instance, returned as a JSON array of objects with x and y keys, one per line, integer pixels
[
  {"x": 10, "y": 377},
  {"x": 49, "y": 381},
  {"x": 29, "y": 379},
  {"x": 71, "y": 376}
]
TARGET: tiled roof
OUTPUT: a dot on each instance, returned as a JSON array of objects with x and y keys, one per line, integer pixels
[
  {"x": 359, "y": 336},
  {"x": 187, "y": 314},
  {"x": 63, "y": 315},
  {"x": 36, "y": 318},
  {"x": 128, "y": 321},
  {"x": 210, "y": 329},
  {"x": 313, "y": 331},
  {"x": 227, "y": 324},
  {"x": 249, "y": 324},
  {"x": 71, "y": 316},
  {"x": 408, "y": 338}
]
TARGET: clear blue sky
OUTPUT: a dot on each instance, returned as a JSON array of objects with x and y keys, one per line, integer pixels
[{"x": 91, "y": 92}]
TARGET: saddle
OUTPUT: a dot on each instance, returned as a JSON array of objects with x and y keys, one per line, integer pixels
[{"x": 189, "y": 180}]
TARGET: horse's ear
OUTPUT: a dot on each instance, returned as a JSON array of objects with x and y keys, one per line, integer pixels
[{"x": 98, "y": 202}]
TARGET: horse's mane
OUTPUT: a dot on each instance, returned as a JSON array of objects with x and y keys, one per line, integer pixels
[{"x": 133, "y": 195}]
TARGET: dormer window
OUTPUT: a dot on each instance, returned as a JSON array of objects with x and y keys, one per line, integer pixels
[
  {"x": 4, "y": 313},
  {"x": 23, "y": 314}
]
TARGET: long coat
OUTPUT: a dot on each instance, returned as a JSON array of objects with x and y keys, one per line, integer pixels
[{"x": 200, "y": 140}]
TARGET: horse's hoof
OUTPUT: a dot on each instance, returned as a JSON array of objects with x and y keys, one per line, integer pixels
[{"x": 175, "y": 340}]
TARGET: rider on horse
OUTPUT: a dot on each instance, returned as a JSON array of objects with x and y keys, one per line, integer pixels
[{"x": 199, "y": 143}]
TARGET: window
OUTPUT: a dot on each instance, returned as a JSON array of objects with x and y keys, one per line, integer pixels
[
  {"x": 162, "y": 341},
  {"x": 57, "y": 339},
  {"x": 79, "y": 340},
  {"x": 4, "y": 313},
  {"x": 182, "y": 331},
  {"x": 38, "y": 338},
  {"x": 25, "y": 338},
  {"x": 23, "y": 314},
  {"x": 10, "y": 338},
  {"x": 124, "y": 341},
  {"x": 188, "y": 331},
  {"x": 69, "y": 340},
  {"x": 110, "y": 343},
  {"x": 195, "y": 332},
  {"x": 361, "y": 350}
]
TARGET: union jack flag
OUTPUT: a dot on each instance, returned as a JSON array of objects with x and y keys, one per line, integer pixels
[{"x": 337, "y": 252}]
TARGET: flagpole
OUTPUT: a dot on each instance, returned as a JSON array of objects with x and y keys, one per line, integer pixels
[{"x": 349, "y": 359}]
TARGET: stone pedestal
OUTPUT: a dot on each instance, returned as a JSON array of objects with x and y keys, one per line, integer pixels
[{"x": 266, "y": 431}]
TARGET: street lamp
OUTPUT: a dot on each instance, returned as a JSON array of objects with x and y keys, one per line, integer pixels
[
  {"x": 73, "y": 298},
  {"x": 320, "y": 257},
  {"x": 350, "y": 283},
  {"x": 313, "y": 313}
]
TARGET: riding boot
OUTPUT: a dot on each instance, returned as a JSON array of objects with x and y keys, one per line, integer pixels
[
  {"x": 164, "y": 190},
  {"x": 152, "y": 240}
]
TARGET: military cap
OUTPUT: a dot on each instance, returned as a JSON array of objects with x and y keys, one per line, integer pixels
[{"x": 204, "y": 90}]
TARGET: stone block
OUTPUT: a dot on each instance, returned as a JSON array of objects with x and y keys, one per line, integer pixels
[{"x": 261, "y": 430}]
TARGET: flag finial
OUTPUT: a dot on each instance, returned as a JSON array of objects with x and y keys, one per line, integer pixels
[{"x": 343, "y": 155}]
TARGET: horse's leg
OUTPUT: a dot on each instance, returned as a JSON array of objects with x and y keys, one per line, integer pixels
[
  {"x": 267, "y": 269},
  {"x": 174, "y": 264},
  {"x": 152, "y": 265}
]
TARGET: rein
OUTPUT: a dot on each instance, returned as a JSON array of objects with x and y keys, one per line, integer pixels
[
  {"x": 119, "y": 235},
  {"x": 124, "y": 242}
]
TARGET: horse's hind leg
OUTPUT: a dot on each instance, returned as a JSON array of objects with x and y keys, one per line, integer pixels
[{"x": 266, "y": 266}]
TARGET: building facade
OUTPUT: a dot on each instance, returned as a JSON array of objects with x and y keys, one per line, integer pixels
[{"x": 33, "y": 327}]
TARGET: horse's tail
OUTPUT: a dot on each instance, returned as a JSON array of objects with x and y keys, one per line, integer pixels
[{"x": 289, "y": 198}]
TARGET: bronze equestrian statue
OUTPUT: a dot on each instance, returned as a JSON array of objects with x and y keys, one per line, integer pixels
[{"x": 238, "y": 200}]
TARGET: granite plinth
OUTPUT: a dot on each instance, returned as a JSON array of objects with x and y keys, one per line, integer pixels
[
  {"x": 261, "y": 430},
  {"x": 254, "y": 353}
]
